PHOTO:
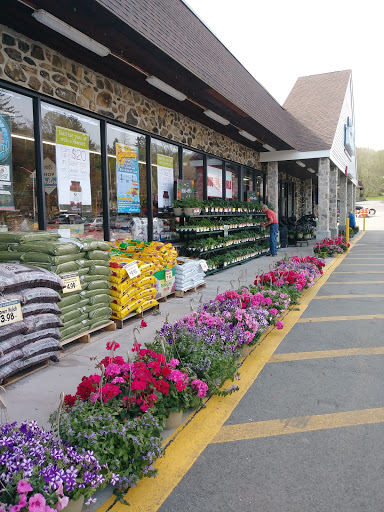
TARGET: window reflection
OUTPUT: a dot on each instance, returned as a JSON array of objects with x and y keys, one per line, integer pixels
[
  {"x": 193, "y": 170},
  {"x": 127, "y": 184},
  {"x": 18, "y": 204},
  {"x": 72, "y": 173},
  {"x": 232, "y": 187}
]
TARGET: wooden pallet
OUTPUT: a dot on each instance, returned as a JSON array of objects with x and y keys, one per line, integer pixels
[
  {"x": 135, "y": 316},
  {"x": 25, "y": 373},
  {"x": 85, "y": 337},
  {"x": 193, "y": 289},
  {"x": 166, "y": 298}
]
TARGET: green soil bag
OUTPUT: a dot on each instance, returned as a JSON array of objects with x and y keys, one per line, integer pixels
[
  {"x": 101, "y": 271},
  {"x": 31, "y": 236},
  {"x": 98, "y": 255},
  {"x": 39, "y": 257},
  {"x": 97, "y": 322},
  {"x": 58, "y": 269},
  {"x": 101, "y": 298},
  {"x": 78, "y": 320},
  {"x": 103, "y": 312},
  {"x": 10, "y": 256},
  {"x": 83, "y": 263},
  {"x": 49, "y": 247},
  {"x": 69, "y": 300},
  {"x": 82, "y": 271},
  {"x": 67, "y": 316},
  {"x": 90, "y": 277},
  {"x": 69, "y": 332},
  {"x": 98, "y": 285}
]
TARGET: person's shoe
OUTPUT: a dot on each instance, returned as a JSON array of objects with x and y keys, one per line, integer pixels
[{"x": 274, "y": 254}]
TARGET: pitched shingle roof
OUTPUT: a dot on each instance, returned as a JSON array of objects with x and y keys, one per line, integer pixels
[
  {"x": 316, "y": 102},
  {"x": 178, "y": 32}
]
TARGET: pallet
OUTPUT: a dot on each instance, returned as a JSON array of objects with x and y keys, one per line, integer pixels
[
  {"x": 135, "y": 316},
  {"x": 85, "y": 337},
  {"x": 181, "y": 293},
  {"x": 166, "y": 298},
  {"x": 25, "y": 373}
]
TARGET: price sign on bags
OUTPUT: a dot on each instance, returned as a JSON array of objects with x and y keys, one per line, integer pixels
[
  {"x": 168, "y": 275},
  {"x": 203, "y": 265},
  {"x": 10, "y": 312},
  {"x": 132, "y": 269},
  {"x": 71, "y": 282}
]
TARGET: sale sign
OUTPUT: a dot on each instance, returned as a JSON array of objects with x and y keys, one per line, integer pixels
[{"x": 73, "y": 171}]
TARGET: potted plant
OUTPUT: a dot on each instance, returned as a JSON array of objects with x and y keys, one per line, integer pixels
[
  {"x": 192, "y": 206},
  {"x": 56, "y": 474},
  {"x": 178, "y": 208}
]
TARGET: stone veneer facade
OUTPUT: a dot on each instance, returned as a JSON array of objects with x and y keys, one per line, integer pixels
[{"x": 32, "y": 65}]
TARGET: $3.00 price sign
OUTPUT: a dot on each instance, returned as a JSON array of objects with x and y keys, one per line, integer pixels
[
  {"x": 203, "y": 265},
  {"x": 71, "y": 282},
  {"x": 10, "y": 312},
  {"x": 132, "y": 269},
  {"x": 168, "y": 275}
]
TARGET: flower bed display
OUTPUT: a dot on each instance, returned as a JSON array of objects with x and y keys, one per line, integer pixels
[
  {"x": 116, "y": 416},
  {"x": 331, "y": 247}
]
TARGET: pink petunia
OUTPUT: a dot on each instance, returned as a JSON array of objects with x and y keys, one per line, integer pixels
[
  {"x": 62, "y": 502},
  {"x": 279, "y": 325},
  {"x": 23, "y": 487},
  {"x": 174, "y": 362},
  {"x": 36, "y": 503}
]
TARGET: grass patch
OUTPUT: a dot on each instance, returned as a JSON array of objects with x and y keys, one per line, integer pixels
[{"x": 376, "y": 198}]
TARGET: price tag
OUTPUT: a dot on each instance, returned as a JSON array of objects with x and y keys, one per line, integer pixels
[
  {"x": 168, "y": 275},
  {"x": 226, "y": 229},
  {"x": 71, "y": 282},
  {"x": 203, "y": 265},
  {"x": 132, "y": 269},
  {"x": 10, "y": 312}
]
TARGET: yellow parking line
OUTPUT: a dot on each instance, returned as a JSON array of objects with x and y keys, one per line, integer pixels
[
  {"x": 323, "y": 354},
  {"x": 230, "y": 433},
  {"x": 362, "y": 264},
  {"x": 350, "y": 296},
  {"x": 355, "y": 282},
  {"x": 359, "y": 272},
  {"x": 339, "y": 318}
]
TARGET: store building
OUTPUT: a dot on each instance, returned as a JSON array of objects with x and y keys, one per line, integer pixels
[{"x": 93, "y": 89}]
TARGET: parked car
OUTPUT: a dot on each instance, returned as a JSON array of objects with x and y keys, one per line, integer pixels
[
  {"x": 67, "y": 218},
  {"x": 94, "y": 225}
]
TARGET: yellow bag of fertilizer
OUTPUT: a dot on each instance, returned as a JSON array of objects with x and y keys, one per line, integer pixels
[
  {"x": 147, "y": 294},
  {"x": 144, "y": 281},
  {"x": 122, "y": 312},
  {"x": 146, "y": 305},
  {"x": 130, "y": 292}
]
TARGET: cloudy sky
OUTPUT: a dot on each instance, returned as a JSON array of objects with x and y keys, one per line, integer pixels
[{"x": 280, "y": 40}]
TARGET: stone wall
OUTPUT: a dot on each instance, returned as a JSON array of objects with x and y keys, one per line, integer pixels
[{"x": 32, "y": 65}]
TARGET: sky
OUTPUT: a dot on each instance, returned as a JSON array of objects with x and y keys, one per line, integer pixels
[{"x": 278, "y": 41}]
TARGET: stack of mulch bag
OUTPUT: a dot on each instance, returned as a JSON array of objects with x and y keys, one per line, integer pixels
[
  {"x": 81, "y": 310},
  {"x": 35, "y": 338}
]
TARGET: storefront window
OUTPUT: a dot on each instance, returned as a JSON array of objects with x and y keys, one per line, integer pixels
[
  {"x": 127, "y": 184},
  {"x": 232, "y": 186},
  {"x": 247, "y": 184},
  {"x": 215, "y": 178},
  {"x": 259, "y": 188},
  {"x": 165, "y": 172},
  {"x": 18, "y": 203},
  {"x": 72, "y": 173},
  {"x": 193, "y": 170}
]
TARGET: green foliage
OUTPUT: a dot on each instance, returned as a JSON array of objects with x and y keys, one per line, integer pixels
[{"x": 370, "y": 170}]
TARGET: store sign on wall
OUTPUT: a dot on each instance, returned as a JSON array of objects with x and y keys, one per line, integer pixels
[
  {"x": 73, "y": 170},
  {"x": 6, "y": 175},
  {"x": 127, "y": 179}
]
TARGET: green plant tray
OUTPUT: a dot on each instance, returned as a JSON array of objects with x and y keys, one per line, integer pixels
[
  {"x": 239, "y": 214},
  {"x": 216, "y": 270},
  {"x": 228, "y": 248}
]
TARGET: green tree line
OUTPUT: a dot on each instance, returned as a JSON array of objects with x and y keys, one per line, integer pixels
[{"x": 370, "y": 171}]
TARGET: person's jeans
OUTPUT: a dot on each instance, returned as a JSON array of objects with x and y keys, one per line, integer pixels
[{"x": 273, "y": 229}]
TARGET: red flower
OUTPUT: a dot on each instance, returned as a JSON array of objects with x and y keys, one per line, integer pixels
[
  {"x": 69, "y": 400},
  {"x": 109, "y": 391},
  {"x": 162, "y": 387},
  {"x": 143, "y": 324}
]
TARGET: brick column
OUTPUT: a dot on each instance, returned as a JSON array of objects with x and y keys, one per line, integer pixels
[
  {"x": 273, "y": 185},
  {"x": 323, "y": 215},
  {"x": 307, "y": 185},
  {"x": 343, "y": 202},
  {"x": 333, "y": 202}
]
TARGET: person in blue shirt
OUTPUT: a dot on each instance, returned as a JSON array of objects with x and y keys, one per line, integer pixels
[{"x": 352, "y": 220}]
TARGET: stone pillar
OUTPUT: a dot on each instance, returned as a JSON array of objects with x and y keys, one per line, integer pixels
[
  {"x": 323, "y": 216},
  {"x": 354, "y": 188},
  {"x": 273, "y": 185},
  {"x": 307, "y": 185},
  {"x": 333, "y": 202},
  {"x": 350, "y": 192},
  {"x": 343, "y": 202}
]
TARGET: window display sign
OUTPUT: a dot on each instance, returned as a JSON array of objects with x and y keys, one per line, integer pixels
[
  {"x": 185, "y": 189},
  {"x": 73, "y": 171},
  {"x": 127, "y": 179},
  {"x": 6, "y": 177},
  {"x": 252, "y": 197},
  {"x": 50, "y": 182},
  {"x": 215, "y": 182},
  {"x": 164, "y": 181}
]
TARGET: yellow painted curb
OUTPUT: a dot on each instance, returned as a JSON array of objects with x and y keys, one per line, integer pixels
[{"x": 192, "y": 439}]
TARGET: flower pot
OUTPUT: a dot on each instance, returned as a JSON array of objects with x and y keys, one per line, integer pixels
[
  {"x": 190, "y": 212},
  {"x": 178, "y": 211},
  {"x": 300, "y": 235},
  {"x": 75, "y": 505},
  {"x": 307, "y": 237},
  {"x": 244, "y": 350},
  {"x": 174, "y": 420}
]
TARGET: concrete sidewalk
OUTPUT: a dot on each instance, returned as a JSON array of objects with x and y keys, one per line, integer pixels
[{"x": 37, "y": 395}]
